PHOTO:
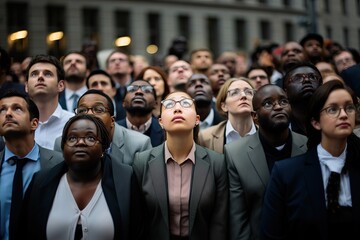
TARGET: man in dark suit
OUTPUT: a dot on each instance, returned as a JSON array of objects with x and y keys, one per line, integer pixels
[
  {"x": 250, "y": 159},
  {"x": 125, "y": 143},
  {"x": 351, "y": 77},
  {"x": 19, "y": 118},
  {"x": 199, "y": 88},
  {"x": 139, "y": 102}
]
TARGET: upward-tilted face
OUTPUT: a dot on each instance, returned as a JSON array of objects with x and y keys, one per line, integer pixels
[
  {"x": 178, "y": 113},
  {"x": 103, "y": 83},
  {"x": 82, "y": 148},
  {"x": 155, "y": 79},
  {"x": 75, "y": 65},
  {"x": 337, "y": 117},
  {"x": 272, "y": 108},
  {"x": 139, "y": 98},
  {"x": 199, "y": 88}
]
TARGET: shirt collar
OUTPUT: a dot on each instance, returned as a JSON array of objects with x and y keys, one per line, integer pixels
[
  {"x": 335, "y": 164},
  {"x": 32, "y": 155},
  {"x": 142, "y": 128},
  {"x": 229, "y": 129},
  {"x": 190, "y": 156},
  {"x": 79, "y": 92},
  {"x": 208, "y": 121}
]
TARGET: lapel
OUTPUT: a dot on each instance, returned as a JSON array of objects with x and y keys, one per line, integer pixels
[
  {"x": 62, "y": 100},
  {"x": 198, "y": 180},
  {"x": 118, "y": 140},
  {"x": 158, "y": 175},
  {"x": 314, "y": 185},
  {"x": 298, "y": 145},
  {"x": 45, "y": 158},
  {"x": 257, "y": 157},
  {"x": 354, "y": 174},
  {"x": 218, "y": 137}
]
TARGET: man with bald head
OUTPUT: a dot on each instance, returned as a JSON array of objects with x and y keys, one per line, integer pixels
[{"x": 250, "y": 159}]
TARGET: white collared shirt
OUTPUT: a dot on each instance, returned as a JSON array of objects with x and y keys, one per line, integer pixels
[
  {"x": 208, "y": 121},
  {"x": 69, "y": 99},
  {"x": 327, "y": 162},
  {"x": 142, "y": 128},
  {"x": 232, "y": 135},
  {"x": 48, "y": 131}
]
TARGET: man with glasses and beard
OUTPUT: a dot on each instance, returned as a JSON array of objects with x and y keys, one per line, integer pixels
[
  {"x": 76, "y": 71},
  {"x": 139, "y": 102}
]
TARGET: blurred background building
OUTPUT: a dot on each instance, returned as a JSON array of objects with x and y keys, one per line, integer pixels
[{"x": 148, "y": 28}]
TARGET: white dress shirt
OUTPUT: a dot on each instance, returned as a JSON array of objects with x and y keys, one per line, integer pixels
[
  {"x": 232, "y": 135},
  {"x": 69, "y": 97}
]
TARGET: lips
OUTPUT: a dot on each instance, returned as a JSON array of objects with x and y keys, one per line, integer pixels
[
  {"x": 277, "y": 115},
  {"x": 178, "y": 118},
  {"x": 40, "y": 85},
  {"x": 138, "y": 100},
  {"x": 9, "y": 122}
]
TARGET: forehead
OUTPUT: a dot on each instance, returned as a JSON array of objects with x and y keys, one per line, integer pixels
[
  {"x": 117, "y": 55},
  {"x": 178, "y": 95},
  {"x": 152, "y": 72},
  {"x": 42, "y": 66},
  {"x": 292, "y": 45},
  {"x": 270, "y": 92},
  {"x": 74, "y": 56},
  {"x": 98, "y": 77},
  {"x": 239, "y": 84},
  {"x": 179, "y": 63},
  {"x": 140, "y": 83},
  {"x": 82, "y": 125},
  {"x": 311, "y": 42},
  {"x": 343, "y": 54},
  {"x": 13, "y": 100},
  {"x": 338, "y": 96},
  {"x": 218, "y": 66},
  {"x": 304, "y": 69},
  {"x": 198, "y": 76},
  {"x": 257, "y": 71},
  {"x": 93, "y": 99}
]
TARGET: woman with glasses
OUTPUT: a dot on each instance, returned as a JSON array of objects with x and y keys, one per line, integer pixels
[
  {"x": 234, "y": 101},
  {"x": 157, "y": 78},
  {"x": 88, "y": 196},
  {"x": 316, "y": 195},
  {"x": 184, "y": 185}
]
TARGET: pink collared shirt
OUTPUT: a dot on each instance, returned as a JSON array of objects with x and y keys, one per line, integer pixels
[{"x": 179, "y": 185}]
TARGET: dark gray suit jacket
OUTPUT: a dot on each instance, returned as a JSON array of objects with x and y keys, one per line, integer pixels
[
  {"x": 208, "y": 197},
  {"x": 125, "y": 142},
  {"x": 248, "y": 177}
]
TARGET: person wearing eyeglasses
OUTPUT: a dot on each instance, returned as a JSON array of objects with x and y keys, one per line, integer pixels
[
  {"x": 259, "y": 76},
  {"x": 125, "y": 143},
  {"x": 184, "y": 185},
  {"x": 87, "y": 196},
  {"x": 251, "y": 159},
  {"x": 139, "y": 103},
  {"x": 315, "y": 195},
  {"x": 300, "y": 83},
  {"x": 234, "y": 101}
]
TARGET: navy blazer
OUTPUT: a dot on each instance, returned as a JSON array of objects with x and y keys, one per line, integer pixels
[
  {"x": 294, "y": 203},
  {"x": 62, "y": 101},
  {"x": 351, "y": 77},
  {"x": 120, "y": 190},
  {"x": 155, "y": 132}
]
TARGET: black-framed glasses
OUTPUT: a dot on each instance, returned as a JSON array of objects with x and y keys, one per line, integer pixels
[
  {"x": 236, "y": 92},
  {"x": 269, "y": 105},
  {"x": 89, "y": 140},
  {"x": 170, "y": 103},
  {"x": 300, "y": 77},
  {"x": 144, "y": 88},
  {"x": 334, "y": 110},
  {"x": 98, "y": 109}
]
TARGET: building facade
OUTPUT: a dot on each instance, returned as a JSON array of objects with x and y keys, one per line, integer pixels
[{"x": 30, "y": 27}]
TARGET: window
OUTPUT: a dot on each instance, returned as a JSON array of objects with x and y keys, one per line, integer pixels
[
  {"x": 154, "y": 29},
  {"x": 55, "y": 16},
  {"x": 265, "y": 31},
  {"x": 90, "y": 17},
  {"x": 240, "y": 34},
  {"x": 287, "y": 3},
  {"x": 344, "y": 7},
  {"x": 346, "y": 36},
  {"x": 328, "y": 31},
  {"x": 289, "y": 31},
  {"x": 358, "y": 7},
  {"x": 326, "y": 6},
  {"x": 16, "y": 21},
  {"x": 184, "y": 26},
  {"x": 122, "y": 23},
  {"x": 213, "y": 35}
]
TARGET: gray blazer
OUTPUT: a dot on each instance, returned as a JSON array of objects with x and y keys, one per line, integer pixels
[
  {"x": 125, "y": 142},
  {"x": 248, "y": 176},
  {"x": 208, "y": 207},
  {"x": 48, "y": 158}
]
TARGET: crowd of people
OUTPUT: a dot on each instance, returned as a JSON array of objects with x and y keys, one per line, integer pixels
[{"x": 235, "y": 146}]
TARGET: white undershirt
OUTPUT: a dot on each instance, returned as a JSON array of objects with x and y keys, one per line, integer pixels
[{"x": 95, "y": 218}]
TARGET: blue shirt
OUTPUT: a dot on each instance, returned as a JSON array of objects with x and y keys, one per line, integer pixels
[{"x": 6, "y": 182}]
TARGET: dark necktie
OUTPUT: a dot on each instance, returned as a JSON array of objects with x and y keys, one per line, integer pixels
[
  {"x": 17, "y": 195},
  {"x": 332, "y": 192}
]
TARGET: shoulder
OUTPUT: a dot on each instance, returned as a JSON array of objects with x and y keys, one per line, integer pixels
[
  {"x": 212, "y": 156},
  {"x": 239, "y": 145},
  {"x": 213, "y": 129},
  {"x": 50, "y": 154},
  {"x": 298, "y": 137}
]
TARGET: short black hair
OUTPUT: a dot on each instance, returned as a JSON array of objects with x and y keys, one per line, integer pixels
[
  {"x": 311, "y": 36},
  {"x": 43, "y": 58},
  {"x": 32, "y": 108},
  {"x": 99, "y": 71},
  {"x": 99, "y": 92},
  {"x": 298, "y": 65},
  {"x": 5, "y": 60}
]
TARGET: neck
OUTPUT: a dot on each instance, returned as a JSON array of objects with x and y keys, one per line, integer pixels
[
  {"x": 334, "y": 147},
  {"x": 179, "y": 145},
  {"x": 138, "y": 120},
  {"x": 203, "y": 112},
  {"x": 20, "y": 146},
  {"x": 74, "y": 86},
  {"x": 241, "y": 124},
  {"x": 275, "y": 139},
  {"x": 122, "y": 79},
  {"x": 46, "y": 108},
  {"x": 85, "y": 175}
]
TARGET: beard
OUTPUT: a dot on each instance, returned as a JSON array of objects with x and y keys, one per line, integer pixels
[
  {"x": 139, "y": 111},
  {"x": 273, "y": 127},
  {"x": 75, "y": 78},
  {"x": 202, "y": 102}
]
